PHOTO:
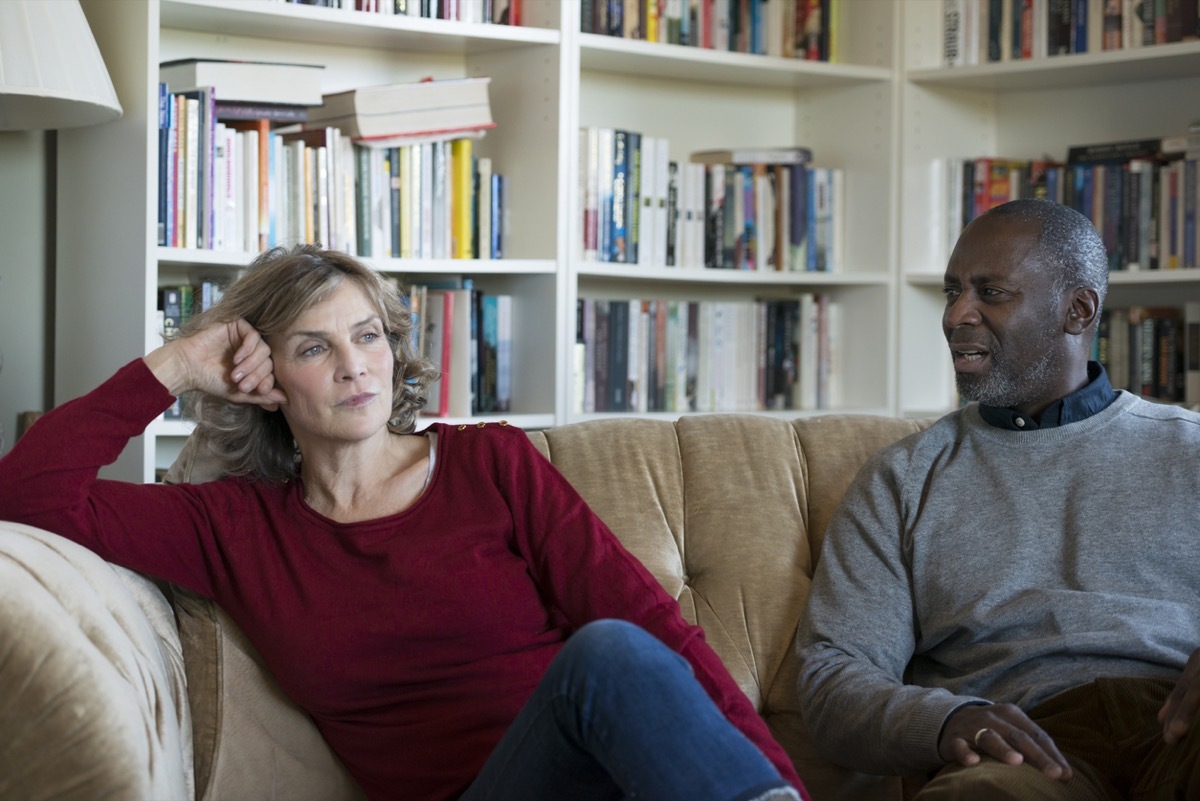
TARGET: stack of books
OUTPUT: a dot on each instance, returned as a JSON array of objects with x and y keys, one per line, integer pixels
[{"x": 395, "y": 114}]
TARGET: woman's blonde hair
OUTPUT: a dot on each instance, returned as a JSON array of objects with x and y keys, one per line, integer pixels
[{"x": 279, "y": 286}]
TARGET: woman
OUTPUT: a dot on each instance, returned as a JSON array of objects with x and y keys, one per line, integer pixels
[{"x": 443, "y": 604}]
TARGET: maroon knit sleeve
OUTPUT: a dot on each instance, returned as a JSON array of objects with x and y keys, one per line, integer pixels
[{"x": 50, "y": 480}]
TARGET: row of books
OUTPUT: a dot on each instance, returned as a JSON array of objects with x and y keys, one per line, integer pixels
[
  {"x": 500, "y": 12},
  {"x": 784, "y": 28},
  {"x": 464, "y": 331},
  {"x": 434, "y": 200},
  {"x": 468, "y": 334},
  {"x": 244, "y": 185},
  {"x": 706, "y": 356},
  {"x": 1152, "y": 351},
  {"x": 747, "y": 209},
  {"x": 176, "y": 305},
  {"x": 1141, "y": 195},
  {"x": 983, "y": 31}
]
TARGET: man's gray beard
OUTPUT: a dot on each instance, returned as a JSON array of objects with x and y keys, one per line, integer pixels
[{"x": 1004, "y": 387}]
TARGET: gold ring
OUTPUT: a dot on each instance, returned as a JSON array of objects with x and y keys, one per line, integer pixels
[{"x": 979, "y": 734}]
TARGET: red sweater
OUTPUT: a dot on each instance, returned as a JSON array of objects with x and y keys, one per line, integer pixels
[{"x": 412, "y": 640}]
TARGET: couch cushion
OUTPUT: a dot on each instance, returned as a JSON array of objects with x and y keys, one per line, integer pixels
[
  {"x": 91, "y": 677},
  {"x": 728, "y": 511},
  {"x": 251, "y": 740}
]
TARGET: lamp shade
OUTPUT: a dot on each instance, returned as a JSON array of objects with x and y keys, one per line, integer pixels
[{"x": 51, "y": 72}]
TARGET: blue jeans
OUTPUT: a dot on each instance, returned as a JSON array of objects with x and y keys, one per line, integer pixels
[{"x": 619, "y": 715}]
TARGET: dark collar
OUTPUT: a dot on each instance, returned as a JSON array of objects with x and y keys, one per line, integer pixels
[{"x": 1079, "y": 405}]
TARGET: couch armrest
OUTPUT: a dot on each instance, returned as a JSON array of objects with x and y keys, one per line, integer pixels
[{"x": 93, "y": 702}]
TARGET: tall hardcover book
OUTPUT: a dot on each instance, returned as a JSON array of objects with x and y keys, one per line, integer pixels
[
  {"x": 436, "y": 329},
  {"x": 1191, "y": 349},
  {"x": 618, "y": 356},
  {"x": 620, "y": 174},
  {"x": 633, "y": 197},
  {"x": 504, "y": 352},
  {"x": 461, "y": 373},
  {"x": 461, "y": 169},
  {"x": 489, "y": 348}
]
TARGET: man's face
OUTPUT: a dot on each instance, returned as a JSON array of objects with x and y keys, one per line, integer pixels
[{"x": 1004, "y": 318}]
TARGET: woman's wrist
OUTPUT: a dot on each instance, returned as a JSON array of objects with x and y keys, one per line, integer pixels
[{"x": 168, "y": 366}]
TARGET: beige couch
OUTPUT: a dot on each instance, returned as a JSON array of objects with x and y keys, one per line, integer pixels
[{"x": 105, "y": 694}]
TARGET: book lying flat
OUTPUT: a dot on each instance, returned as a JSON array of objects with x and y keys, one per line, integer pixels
[
  {"x": 246, "y": 81},
  {"x": 753, "y": 155},
  {"x": 403, "y": 109}
]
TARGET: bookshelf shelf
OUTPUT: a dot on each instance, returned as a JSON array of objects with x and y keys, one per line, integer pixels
[
  {"x": 265, "y": 19},
  {"x": 1156, "y": 63},
  {"x": 635, "y": 57},
  {"x": 1189, "y": 279},
  {"x": 1117, "y": 278},
  {"x": 752, "y": 278}
]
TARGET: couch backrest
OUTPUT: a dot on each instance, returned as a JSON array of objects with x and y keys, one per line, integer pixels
[{"x": 727, "y": 511}]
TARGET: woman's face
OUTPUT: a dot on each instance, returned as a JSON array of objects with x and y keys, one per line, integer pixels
[{"x": 335, "y": 364}]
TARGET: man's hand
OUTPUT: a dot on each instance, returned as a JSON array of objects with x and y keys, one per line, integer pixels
[
  {"x": 1183, "y": 704},
  {"x": 1002, "y": 731}
]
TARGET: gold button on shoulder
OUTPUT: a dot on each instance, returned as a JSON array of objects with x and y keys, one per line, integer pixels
[
  {"x": 480, "y": 425},
  {"x": 462, "y": 427},
  {"x": 503, "y": 422}
]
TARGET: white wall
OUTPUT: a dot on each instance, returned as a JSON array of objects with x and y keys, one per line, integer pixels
[{"x": 25, "y": 291}]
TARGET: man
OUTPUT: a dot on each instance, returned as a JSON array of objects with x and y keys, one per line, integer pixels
[{"x": 1010, "y": 598}]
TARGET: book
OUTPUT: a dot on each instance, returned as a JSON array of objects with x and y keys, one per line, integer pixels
[
  {"x": 459, "y": 375},
  {"x": 489, "y": 347},
  {"x": 275, "y": 112},
  {"x": 483, "y": 217},
  {"x": 257, "y": 180},
  {"x": 504, "y": 352},
  {"x": 436, "y": 332},
  {"x": 618, "y": 215},
  {"x": 403, "y": 109},
  {"x": 752, "y": 155},
  {"x": 1165, "y": 147},
  {"x": 164, "y": 150},
  {"x": 461, "y": 221},
  {"x": 498, "y": 215},
  {"x": 1191, "y": 350},
  {"x": 247, "y": 81}
]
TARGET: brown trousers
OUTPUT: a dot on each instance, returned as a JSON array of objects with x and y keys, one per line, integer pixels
[{"x": 1109, "y": 731}]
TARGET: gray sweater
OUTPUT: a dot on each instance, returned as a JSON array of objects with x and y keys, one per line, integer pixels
[{"x": 970, "y": 563}]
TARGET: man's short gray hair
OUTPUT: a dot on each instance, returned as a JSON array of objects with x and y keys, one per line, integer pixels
[{"x": 1069, "y": 244}]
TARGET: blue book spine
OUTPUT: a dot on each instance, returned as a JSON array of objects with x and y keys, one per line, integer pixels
[
  {"x": 620, "y": 174},
  {"x": 1079, "y": 26},
  {"x": 497, "y": 216},
  {"x": 164, "y": 131}
]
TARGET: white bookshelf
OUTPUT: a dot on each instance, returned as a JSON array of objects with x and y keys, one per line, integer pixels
[
  {"x": 548, "y": 79},
  {"x": 699, "y": 99},
  {"x": 1023, "y": 109},
  {"x": 883, "y": 114}
]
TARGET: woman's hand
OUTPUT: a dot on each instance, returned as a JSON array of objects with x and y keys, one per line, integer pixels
[{"x": 229, "y": 360}]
